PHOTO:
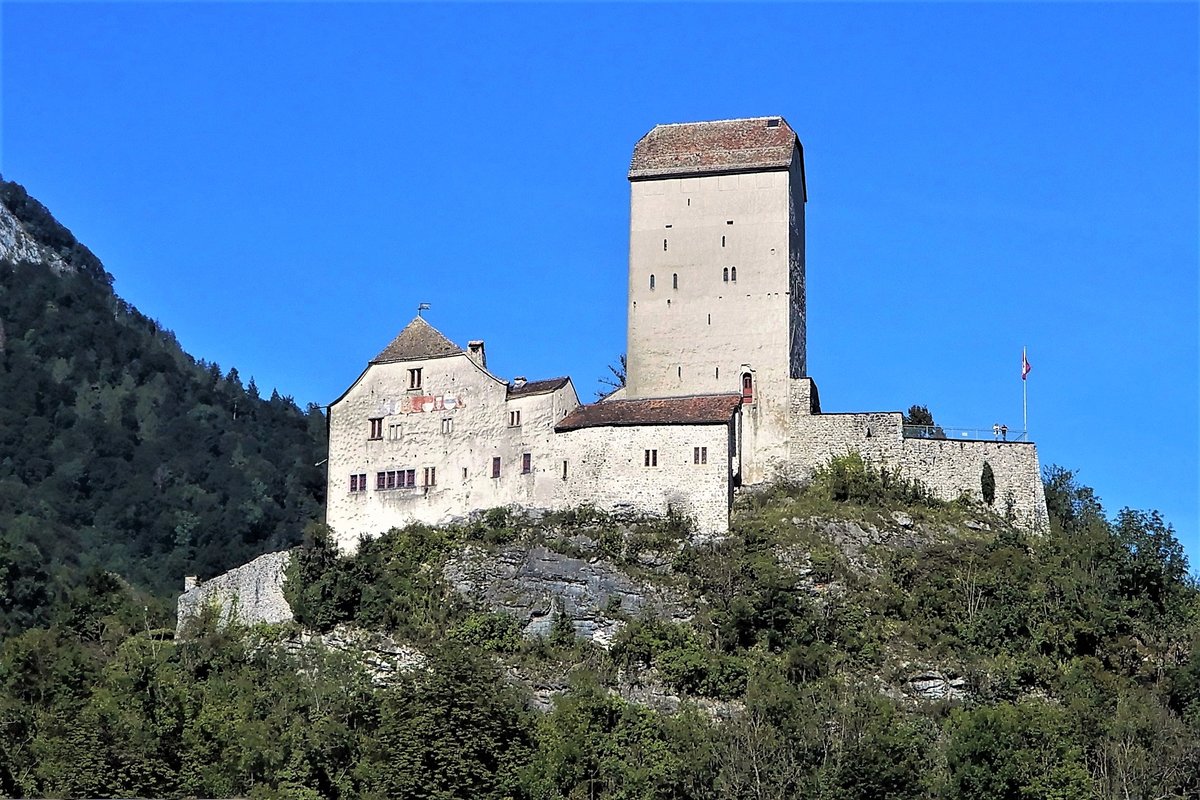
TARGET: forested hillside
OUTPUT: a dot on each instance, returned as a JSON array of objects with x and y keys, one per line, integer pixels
[{"x": 120, "y": 452}]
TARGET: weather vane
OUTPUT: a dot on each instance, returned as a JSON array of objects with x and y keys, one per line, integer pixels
[{"x": 422, "y": 307}]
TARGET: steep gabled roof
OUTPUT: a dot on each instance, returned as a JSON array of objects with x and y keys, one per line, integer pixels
[
  {"x": 709, "y": 148},
  {"x": 702, "y": 409},
  {"x": 537, "y": 387},
  {"x": 418, "y": 341}
]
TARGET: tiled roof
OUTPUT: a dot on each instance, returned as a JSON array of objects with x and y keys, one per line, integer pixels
[
  {"x": 419, "y": 340},
  {"x": 704, "y": 409},
  {"x": 705, "y": 148},
  {"x": 537, "y": 387}
]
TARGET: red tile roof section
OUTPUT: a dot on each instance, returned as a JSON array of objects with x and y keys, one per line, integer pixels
[
  {"x": 705, "y": 409},
  {"x": 707, "y": 148},
  {"x": 537, "y": 387}
]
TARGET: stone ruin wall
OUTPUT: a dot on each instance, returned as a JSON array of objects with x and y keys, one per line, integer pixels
[
  {"x": 249, "y": 594},
  {"x": 948, "y": 467}
]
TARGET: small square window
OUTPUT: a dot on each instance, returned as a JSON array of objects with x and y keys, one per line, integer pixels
[
  {"x": 409, "y": 478},
  {"x": 391, "y": 480},
  {"x": 526, "y": 463},
  {"x": 376, "y": 430},
  {"x": 414, "y": 378},
  {"x": 496, "y": 466},
  {"x": 380, "y": 480}
]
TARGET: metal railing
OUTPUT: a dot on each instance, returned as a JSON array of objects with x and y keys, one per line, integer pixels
[{"x": 951, "y": 432}]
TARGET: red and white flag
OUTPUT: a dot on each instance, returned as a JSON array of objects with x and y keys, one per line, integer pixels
[{"x": 1024, "y": 365}]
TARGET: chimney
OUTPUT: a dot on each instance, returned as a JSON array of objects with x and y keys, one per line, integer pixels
[
  {"x": 519, "y": 381},
  {"x": 475, "y": 352}
]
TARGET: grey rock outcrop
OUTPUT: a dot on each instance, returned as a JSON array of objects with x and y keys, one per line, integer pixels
[
  {"x": 16, "y": 245},
  {"x": 535, "y": 583}
]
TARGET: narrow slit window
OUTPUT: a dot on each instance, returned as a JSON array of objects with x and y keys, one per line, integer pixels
[
  {"x": 674, "y": 280},
  {"x": 747, "y": 388},
  {"x": 722, "y": 241},
  {"x": 725, "y": 275},
  {"x": 710, "y": 319},
  {"x": 496, "y": 467},
  {"x": 564, "y": 470},
  {"x": 526, "y": 463},
  {"x": 664, "y": 245},
  {"x": 464, "y": 473},
  {"x": 679, "y": 372},
  {"x": 717, "y": 373},
  {"x": 733, "y": 274},
  {"x": 651, "y": 281}
]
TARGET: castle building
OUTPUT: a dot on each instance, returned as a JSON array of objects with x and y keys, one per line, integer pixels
[{"x": 717, "y": 393}]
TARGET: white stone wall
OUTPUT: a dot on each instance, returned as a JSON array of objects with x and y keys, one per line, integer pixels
[
  {"x": 695, "y": 332},
  {"x": 455, "y": 388},
  {"x": 250, "y": 594},
  {"x": 606, "y": 469},
  {"x": 950, "y": 468}
]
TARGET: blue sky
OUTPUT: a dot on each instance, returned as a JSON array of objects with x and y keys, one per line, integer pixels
[{"x": 282, "y": 184}]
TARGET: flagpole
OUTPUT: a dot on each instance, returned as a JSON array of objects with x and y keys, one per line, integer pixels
[{"x": 1024, "y": 395}]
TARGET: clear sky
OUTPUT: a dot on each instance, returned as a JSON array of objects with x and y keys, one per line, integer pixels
[{"x": 282, "y": 184}]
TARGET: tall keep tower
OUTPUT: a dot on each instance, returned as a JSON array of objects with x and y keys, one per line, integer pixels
[{"x": 716, "y": 273}]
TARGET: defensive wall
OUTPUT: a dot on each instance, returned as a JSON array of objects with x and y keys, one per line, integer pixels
[
  {"x": 950, "y": 468},
  {"x": 249, "y": 594}
]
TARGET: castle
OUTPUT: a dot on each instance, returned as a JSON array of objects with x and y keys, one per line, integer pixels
[{"x": 717, "y": 393}]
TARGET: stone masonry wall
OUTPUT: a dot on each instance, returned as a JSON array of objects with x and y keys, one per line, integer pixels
[
  {"x": 249, "y": 594},
  {"x": 949, "y": 468},
  {"x": 606, "y": 469}
]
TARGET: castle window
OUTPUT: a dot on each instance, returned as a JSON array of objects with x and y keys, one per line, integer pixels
[
  {"x": 431, "y": 476},
  {"x": 725, "y": 275},
  {"x": 699, "y": 455},
  {"x": 675, "y": 280},
  {"x": 564, "y": 470},
  {"x": 773, "y": 123},
  {"x": 651, "y": 281},
  {"x": 381, "y": 480},
  {"x": 728, "y": 222},
  {"x": 651, "y": 458},
  {"x": 526, "y": 463},
  {"x": 496, "y": 467},
  {"x": 514, "y": 419},
  {"x": 747, "y": 388},
  {"x": 414, "y": 378},
  {"x": 722, "y": 241},
  {"x": 407, "y": 478},
  {"x": 376, "y": 428},
  {"x": 358, "y": 483},
  {"x": 394, "y": 432},
  {"x": 464, "y": 473},
  {"x": 448, "y": 425},
  {"x": 664, "y": 245},
  {"x": 733, "y": 274},
  {"x": 717, "y": 373},
  {"x": 710, "y": 319},
  {"x": 679, "y": 372}
]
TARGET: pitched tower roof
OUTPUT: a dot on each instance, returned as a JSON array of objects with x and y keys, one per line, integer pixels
[
  {"x": 419, "y": 340},
  {"x": 710, "y": 148}
]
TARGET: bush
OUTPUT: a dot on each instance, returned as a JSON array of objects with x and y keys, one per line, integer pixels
[{"x": 850, "y": 479}]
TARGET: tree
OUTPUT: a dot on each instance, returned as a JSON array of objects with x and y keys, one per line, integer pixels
[
  {"x": 987, "y": 484},
  {"x": 615, "y": 381},
  {"x": 919, "y": 424}
]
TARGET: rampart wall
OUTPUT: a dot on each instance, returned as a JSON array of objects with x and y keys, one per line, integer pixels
[
  {"x": 949, "y": 468},
  {"x": 249, "y": 594}
]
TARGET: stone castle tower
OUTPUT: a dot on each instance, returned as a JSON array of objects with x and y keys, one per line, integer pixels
[{"x": 716, "y": 273}]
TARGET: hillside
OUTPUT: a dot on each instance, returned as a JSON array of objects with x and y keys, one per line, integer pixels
[
  {"x": 119, "y": 451},
  {"x": 850, "y": 639}
]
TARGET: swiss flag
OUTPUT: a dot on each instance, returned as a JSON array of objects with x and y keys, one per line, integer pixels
[{"x": 1024, "y": 365}]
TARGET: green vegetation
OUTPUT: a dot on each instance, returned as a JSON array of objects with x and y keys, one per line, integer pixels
[
  {"x": 120, "y": 452},
  {"x": 1063, "y": 666}
]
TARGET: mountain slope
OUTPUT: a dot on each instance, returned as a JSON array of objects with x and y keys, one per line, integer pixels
[{"x": 118, "y": 450}]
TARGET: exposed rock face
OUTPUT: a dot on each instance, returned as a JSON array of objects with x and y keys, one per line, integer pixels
[
  {"x": 383, "y": 658},
  {"x": 250, "y": 594},
  {"x": 16, "y": 245},
  {"x": 931, "y": 684},
  {"x": 535, "y": 583}
]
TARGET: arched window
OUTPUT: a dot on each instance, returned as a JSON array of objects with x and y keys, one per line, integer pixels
[
  {"x": 725, "y": 274},
  {"x": 747, "y": 388},
  {"x": 733, "y": 274},
  {"x": 675, "y": 280},
  {"x": 651, "y": 281}
]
